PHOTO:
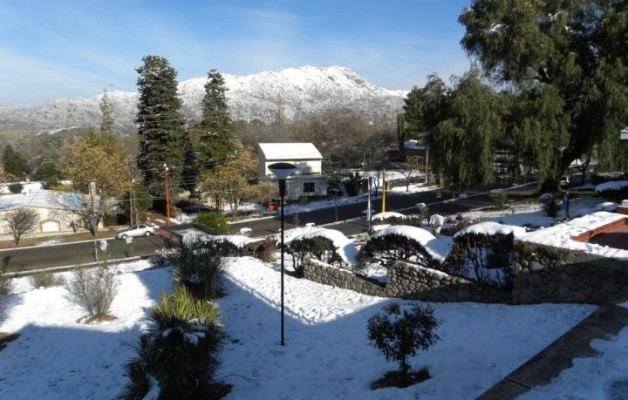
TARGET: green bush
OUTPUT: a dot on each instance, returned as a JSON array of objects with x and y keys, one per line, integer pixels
[
  {"x": 499, "y": 198},
  {"x": 180, "y": 349},
  {"x": 46, "y": 279},
  {"x": 214, "y": 220},
  {"x": 198, "y": 269},
  {"x": 16, "y": 188},
  {"x": 400, "y": 333}
]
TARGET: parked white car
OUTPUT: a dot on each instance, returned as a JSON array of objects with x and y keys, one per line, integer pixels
[{"x": 136, "y": 231}]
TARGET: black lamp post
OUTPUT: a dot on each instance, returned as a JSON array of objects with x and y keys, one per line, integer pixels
[{"x": 281, "y": 170}]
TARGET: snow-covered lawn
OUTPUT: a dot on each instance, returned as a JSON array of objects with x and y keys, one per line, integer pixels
[{"x": 326, "y": 356}]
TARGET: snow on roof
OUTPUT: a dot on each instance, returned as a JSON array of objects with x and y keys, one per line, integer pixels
[
  {"x": 389, "y": 214},
  {"x": 612, "y": 185},
  {"x": 38, "y": 199},
  {"x": 290, "y": 151},
  {"x": 345, "y": 246},
  {"x": 492, "y": 228},
  {"x": 561, "y": 235},
  {"x": 422, "y": 236}
]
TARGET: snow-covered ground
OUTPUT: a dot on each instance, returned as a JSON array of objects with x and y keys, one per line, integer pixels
[{"x": 327, "y": 354}]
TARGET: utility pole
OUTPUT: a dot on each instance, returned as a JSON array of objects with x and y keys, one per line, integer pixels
[
  {"x": 167, "y": 195},
  {"x": 383, "y": 190}
]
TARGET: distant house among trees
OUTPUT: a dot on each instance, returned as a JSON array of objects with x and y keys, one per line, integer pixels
[{"x": 307, "y": 180}]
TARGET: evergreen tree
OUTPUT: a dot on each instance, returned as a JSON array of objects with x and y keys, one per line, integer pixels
[
  {"x": 467, "y": 136},
  {"x": 15, "y": 165},
  {"x": 107, "y": 124},
  {"x": 161, "y": 125},
  {"x": 569, "y": 61},
  {"x": 216, "y": 142},
  {"x": 424, "y": 109}
]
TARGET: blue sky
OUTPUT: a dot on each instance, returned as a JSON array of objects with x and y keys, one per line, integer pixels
[{"x": 51, "y": 49}]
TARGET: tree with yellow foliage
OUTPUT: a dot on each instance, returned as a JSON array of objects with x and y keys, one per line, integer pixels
[
  {"x": 233, "y": 180},
  {"x": 97, "y": 160}
]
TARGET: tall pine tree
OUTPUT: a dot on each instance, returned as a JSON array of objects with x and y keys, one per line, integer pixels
[
  {"x": 161, "y": 125},
  {"x": 216, "y": 142}
]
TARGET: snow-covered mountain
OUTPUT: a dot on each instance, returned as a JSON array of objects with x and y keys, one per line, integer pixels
[{"x": 290, "y": 94}]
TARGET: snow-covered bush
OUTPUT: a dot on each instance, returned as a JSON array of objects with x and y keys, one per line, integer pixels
[
  {"x": 398, "y": 242},
  {"x": 483, "y": 257},
  {"x": 327, "y": 245},
  {"x": 318, "y": 247},
  {"x": 399, "y": 333},
  {"x": 179, "y": 352}
]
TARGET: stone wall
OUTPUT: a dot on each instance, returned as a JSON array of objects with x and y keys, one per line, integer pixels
[
  {"x": 577, "y": 278},
  {"x": 407, "y": 281}
]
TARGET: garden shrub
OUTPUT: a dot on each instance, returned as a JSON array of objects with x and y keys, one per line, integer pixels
[
  {"x": 179, "y": 352},
  {"x": 214, "y": 220},
  {"x": 399, "y": 333},
  {"x": 16, "y": 188},
  {"x": 548, "y": 256},
  {"x": 46, "y": 279},
  {"x": 395, "y": 247},
  {"x": 486, "y": 258},
  {"x": 198, "y": 268},
  {"x": 320, "y": 248},
  {"x": 94, "y": 289},
  {"x": 499, "y": 198}
]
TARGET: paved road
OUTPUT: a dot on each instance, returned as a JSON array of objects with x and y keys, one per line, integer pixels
[
  {"x": 31, "y": 258},
  {"x": 351, "y": 216}
]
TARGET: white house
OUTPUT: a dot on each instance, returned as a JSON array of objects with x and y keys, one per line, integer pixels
[
  {"x": 56, "y": 210},
  {"x": 307, "y": 179}
]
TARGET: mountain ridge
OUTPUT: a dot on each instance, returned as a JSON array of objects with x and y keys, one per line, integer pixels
[{"x": 290, "y": 94}]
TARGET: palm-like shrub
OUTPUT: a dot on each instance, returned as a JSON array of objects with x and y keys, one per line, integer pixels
[
  {"x": 179, "y": 351},
  {"x": 198, "y": 268}
]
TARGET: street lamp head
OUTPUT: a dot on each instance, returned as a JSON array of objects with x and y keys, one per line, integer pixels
[{"x": 282, "y": 169}]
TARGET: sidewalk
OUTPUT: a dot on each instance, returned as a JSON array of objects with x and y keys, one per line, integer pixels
[
  {"x": 29, "y": 241},
  {"x": 541, "y": 369}
]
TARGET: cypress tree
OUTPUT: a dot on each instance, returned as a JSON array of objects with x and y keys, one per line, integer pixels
[
  {"x": 15, "y": 165},
  {"x": 161, "y": 125},
  {"x": 216, "y": 142}
]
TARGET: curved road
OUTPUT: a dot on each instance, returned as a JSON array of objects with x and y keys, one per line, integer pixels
[{"x": 352, "y": 221}]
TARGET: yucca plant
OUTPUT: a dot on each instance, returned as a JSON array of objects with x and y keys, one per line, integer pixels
[
  {"x": 199, "y": 270},
  {"x": 180, "y": 349}
]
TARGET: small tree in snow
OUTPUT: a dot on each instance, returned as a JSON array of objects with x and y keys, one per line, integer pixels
[{"x": 400, "y": 333}]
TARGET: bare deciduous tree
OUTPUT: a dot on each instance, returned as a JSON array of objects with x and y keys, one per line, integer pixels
[{"x": 20, "y": 222}]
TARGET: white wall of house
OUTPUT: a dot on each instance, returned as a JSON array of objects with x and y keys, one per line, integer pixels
[{"x": 307, "y": 179}]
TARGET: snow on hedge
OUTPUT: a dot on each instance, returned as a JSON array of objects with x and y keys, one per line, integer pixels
[
  {"x": 492, "y": 228},
  {"x": 344, "y": 246},
  {"x": 612, "y": 185},
  {"x": 422, "y": 236},
  {"x": 389, "y": 214},
  {"x": 238, "y": 241}
]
